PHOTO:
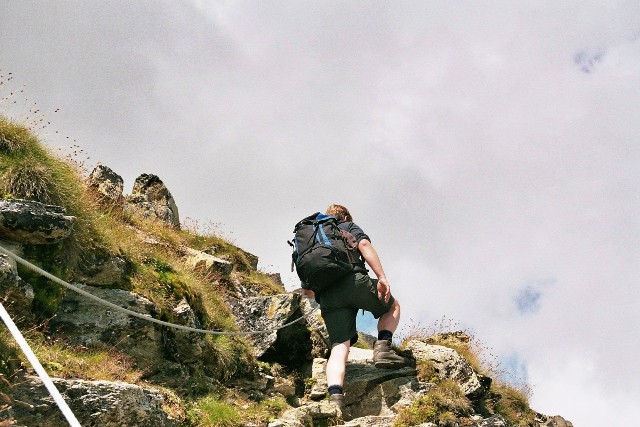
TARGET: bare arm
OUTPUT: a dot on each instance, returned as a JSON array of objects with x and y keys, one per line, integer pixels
[{"x": 371, "y": 257}]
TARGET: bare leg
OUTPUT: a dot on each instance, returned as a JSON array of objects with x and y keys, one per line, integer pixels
[
  {"x": 389, "y": 321},
  {"x": 336, "y": 365}
]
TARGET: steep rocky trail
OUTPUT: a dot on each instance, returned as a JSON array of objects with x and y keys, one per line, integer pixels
[
  {"x": 375, "y": 397},
  {"x": 175, "y": 367}
]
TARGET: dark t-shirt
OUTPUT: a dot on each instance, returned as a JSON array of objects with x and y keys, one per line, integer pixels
[{"x": 359, "y": 235}]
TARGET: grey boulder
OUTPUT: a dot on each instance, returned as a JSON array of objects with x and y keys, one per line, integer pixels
[{"x": 31, "y": 222}]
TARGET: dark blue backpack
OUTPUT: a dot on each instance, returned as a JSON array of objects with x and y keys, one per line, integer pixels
[{"x": 322, "y": 251}]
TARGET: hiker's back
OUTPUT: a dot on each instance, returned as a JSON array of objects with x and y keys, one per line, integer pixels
[{"x": 323, "y": 252}]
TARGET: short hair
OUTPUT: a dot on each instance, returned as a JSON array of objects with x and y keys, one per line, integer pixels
[{"x": 339, "y": 212}]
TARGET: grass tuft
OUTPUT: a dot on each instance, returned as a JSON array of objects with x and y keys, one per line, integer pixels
[
  {"x": 28, "y": 179},
  {"x": 210, "y": 412},
  {"x": 14, "y": 137},
  {"x": 512, "y": 404},
  {"x": 444, "y": 405}
]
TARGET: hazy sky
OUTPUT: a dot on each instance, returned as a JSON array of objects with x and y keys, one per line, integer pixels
[{"x": 490, "y": 149}]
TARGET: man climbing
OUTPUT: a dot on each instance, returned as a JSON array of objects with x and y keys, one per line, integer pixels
[{"x": 340, "y": 302}]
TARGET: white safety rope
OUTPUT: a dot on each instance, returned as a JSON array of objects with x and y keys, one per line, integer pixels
[
  {"x": 46, "y": 380},
  {"x": 139, "y": 315}
]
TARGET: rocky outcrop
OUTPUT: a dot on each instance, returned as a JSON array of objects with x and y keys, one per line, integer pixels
[
  {"x": 94, "y": 403},
  {"x": 107, "y": 183},
  {"x": 184, "y": 346},
  {"x": 308, "y": 415},
  {"x": 319, "y": 335},
  {"x": 150, "y": 198},
  {"x": 86, "y": 322},
  {"x": 290, "y": 345},
  {"x": 242, "y": 260},
  {"x": 555, "y": 421},
  {"x": 102, "y": 269},
  {"x": 32, "y": 222},
  {"x": 388, "y": 397},
  {"x": 206, "y": 263},
  {"x": 374, "y": 397},
  {"x": 494, "y": 421},
  {"x": 371, "y": 391},
  {"x": 449, "y": 364}
]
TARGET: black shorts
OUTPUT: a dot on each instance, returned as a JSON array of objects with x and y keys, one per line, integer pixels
[{"x": 340, "y": 303}]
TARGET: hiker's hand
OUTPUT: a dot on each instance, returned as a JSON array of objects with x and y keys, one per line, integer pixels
[{"x": 384, "y": 290}]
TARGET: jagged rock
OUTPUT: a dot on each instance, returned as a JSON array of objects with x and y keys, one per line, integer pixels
[
  {"x": 94, "y": 403},
  {"x": 206, "y": 263},
  {"x": 373, "y": 396},
  {"x": 306, "y": 414},
  {"x": 151, "y": 199},
  {"x": 102, "y": 269},
  {"x": 361, "y": 379},
  {"x": 494, "y": 421},
  {"x": 318, "y": 370},
  {"x": 86, "y": 322},
  {"x": 261, "y": 382},
  {"x": 285, "y": 387},
  {"x": 108, "y": 184},
  {"x": 449, "y": 364},
  {"x": 319, "y": 378},
  {"x": 239, "y": 289},
  {"x": 290, "y": 345},
  {"x": 370, "y": 421},
  {"x": 387, "y": 398},
  {"x": 262, "y": 313},
  {"x": 319, "y": 334},
  {"x": 242, "y": 260},
  {"x": 369, "y": 391},
  {"x": 28, "y": 221},
  {"x": 185, "y": 346},
  {"x": 17, "y": 294},
  {"x": 555, "y": 421},
  {"x": 399, "y": 394},
  {"x": 252, "y": 261}
]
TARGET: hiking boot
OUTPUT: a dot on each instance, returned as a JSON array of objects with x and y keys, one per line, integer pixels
[
  {"x": 385, "y": 358},
  {"x": 338, "y": 400}
]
